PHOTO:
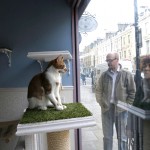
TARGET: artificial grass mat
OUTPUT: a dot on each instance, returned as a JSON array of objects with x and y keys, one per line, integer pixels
[{"x": 73, "y": 110}]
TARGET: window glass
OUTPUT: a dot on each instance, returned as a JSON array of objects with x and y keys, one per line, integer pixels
[{"x": 108, "y": 26}]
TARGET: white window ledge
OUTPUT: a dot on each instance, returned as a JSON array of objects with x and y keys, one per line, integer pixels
[{"x": 53, "y": 126}]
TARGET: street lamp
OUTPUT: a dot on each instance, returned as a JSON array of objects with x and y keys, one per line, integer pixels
[{"x": 137, "y": 45}]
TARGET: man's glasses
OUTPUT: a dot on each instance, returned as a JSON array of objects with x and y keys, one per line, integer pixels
[{"x": 110, "y": 60}]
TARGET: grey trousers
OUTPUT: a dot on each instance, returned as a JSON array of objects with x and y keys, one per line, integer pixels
[{"x": 109, "y": 119}]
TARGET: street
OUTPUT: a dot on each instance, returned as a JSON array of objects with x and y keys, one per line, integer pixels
[{"x": 92, "y": 137}]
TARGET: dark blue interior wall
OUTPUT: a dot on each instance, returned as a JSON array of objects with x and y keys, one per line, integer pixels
[{"x": 28, "y": 26}]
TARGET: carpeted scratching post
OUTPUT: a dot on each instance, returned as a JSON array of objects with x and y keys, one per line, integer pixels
[{"x": 58, "y": 140}]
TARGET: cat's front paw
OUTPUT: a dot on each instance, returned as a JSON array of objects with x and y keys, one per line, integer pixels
[
  {"x": 42, "y": 108},
  {"x": 64, "y": 106},
  {"x": 59, "y": 107}
]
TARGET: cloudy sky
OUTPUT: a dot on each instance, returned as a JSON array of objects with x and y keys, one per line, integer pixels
[{"x": 108, "y": 14}]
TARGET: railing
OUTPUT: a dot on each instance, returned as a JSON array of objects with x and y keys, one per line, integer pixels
[{"x": 137, "y": 128}]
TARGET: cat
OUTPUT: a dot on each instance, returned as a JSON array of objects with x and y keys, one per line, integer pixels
[{"x": 44, "y": 88}]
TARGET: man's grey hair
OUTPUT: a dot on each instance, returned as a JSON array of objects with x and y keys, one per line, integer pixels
[{"x": 116, "y": 55}]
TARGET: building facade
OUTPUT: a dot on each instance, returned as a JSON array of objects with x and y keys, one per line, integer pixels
[{"x": 122, "y": 42}]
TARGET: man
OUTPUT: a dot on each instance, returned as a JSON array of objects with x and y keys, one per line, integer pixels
[{"x": 113, "y": 85}]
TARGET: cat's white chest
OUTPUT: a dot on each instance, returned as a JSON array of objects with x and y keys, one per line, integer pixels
[{"x": 53, "y": 77}]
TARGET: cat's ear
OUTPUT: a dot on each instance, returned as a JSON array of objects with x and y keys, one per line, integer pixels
[{"x": 60, "y": 58}]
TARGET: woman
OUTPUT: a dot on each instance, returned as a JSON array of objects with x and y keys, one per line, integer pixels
[{"x": 142, "y": 97}]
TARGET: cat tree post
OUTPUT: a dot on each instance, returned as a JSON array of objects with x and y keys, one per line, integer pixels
[{"x": 58, "y": 140}]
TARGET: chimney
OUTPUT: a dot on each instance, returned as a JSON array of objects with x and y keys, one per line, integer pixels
[{"x": 122, "y": 26}]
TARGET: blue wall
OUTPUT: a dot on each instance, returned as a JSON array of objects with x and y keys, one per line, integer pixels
[{"x": 28, "y": 26}]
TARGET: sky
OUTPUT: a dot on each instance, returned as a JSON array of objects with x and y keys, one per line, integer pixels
[{"x": 108, "y": 13}]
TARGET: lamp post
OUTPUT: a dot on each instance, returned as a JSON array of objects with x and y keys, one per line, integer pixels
[
  {"x": 137, "y": 45},
  {"x": 138, "y": 74}
]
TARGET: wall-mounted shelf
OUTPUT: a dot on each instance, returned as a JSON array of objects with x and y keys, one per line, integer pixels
[
  {"x": 47, "y": 56},
  {"x": 8, "y": 53}
]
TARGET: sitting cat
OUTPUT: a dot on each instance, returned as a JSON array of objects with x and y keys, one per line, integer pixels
[{"x": 44, "y": 88}]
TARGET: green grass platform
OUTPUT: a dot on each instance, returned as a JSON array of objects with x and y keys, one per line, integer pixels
[{"x": 73, "y": 110}]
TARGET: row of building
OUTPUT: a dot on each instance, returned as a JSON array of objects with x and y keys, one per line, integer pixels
[{"x": 123, "y": 42}]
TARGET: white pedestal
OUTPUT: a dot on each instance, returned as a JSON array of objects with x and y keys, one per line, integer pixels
[{"x": 36, "y": 133}]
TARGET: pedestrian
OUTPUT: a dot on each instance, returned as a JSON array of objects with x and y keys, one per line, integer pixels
[
  {"x": 83, "y": 77},
  {"x": 113, "y": 85},
  {"x": 92, "y": 77}
]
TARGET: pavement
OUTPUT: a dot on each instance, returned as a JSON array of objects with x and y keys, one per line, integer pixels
[{"x": 92, "y": 137}]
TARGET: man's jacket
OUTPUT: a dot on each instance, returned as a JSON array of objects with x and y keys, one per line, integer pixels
[{"x": 124, "y": 89}]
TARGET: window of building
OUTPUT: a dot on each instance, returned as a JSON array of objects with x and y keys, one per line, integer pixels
[
  {"x": 148, "y": 46},
  {"x": 120, "y": 55},
  {"x": 123, "y": 40},
  {"x": 128, "y": 39},
  {"x": 125, "y": 54},
  {"x": 147, "y": 29}
]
